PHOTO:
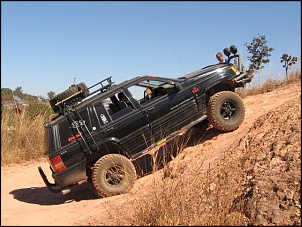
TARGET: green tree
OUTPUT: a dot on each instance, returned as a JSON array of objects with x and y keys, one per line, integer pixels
[
  {"x": 260, "y": 54},
  {"x": 288, "y": 61},
  {"x": 51, "y": 94}
]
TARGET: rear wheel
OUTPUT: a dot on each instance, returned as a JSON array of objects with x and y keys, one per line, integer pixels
[
  {"x": 113, "y": 174},
  {"x": 225, "y": 111}
]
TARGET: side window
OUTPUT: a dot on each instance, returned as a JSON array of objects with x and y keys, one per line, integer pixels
[
  {"x": 65, "y": 133},
  {"x": 110, "y": 106},
  {"x": 137, "y": 92},
  {"x": 118, "y": 105},
  {"x": 147, "y": 90},
  {"x": 101, "y": 113}
]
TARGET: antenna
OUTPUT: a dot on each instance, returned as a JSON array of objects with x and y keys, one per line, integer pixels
[
  {"x": 178, "y": 58},
  {"x": 74, "y": 81}
]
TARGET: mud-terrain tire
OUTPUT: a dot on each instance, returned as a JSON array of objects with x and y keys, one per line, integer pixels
[
  {"x": 113, "y": 174},
  {"x": 225, "y": 111},
  {"x": 73, "y": 89}
]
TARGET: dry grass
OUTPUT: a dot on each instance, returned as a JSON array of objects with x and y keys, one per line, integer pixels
[
  {"x": 190, "y": 197},
  {"x": 22, "y": 136},
  {"x": 270, "y": 85}
]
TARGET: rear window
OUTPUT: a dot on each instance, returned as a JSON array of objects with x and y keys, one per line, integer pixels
[{"x": 48, "y": 145}]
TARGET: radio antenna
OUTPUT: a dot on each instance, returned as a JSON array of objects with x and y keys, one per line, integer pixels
[{"x": 183, "y": 68}]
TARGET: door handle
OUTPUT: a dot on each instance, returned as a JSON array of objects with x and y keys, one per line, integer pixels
[
  {"x": 150, "y": 108},
  {"x": 108, "y": 129}
]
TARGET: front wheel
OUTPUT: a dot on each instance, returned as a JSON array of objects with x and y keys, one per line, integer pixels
[
  {"x": 113, "y": 174},
  {"x": 225, "y": 111}
]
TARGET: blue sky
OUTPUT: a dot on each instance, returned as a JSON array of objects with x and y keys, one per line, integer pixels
[{"x": 46, "y": 44}]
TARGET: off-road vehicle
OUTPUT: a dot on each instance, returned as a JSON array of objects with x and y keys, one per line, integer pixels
[{"x": 99, "y": 131}]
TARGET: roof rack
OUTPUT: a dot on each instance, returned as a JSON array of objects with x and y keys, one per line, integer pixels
[
  {"x": 68, "y": 99},
  {"x": 103, "y": 88}
]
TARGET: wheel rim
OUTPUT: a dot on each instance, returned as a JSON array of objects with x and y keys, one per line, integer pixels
[
  {"x": 228, "y": 110},
  {"x": 115, "y": 175}
]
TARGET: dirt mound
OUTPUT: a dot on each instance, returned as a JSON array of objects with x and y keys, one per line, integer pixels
[
  {"x": 271, "y": 160},
  {"x": 259, "y": 177},
  {"x": 267, "y": 168}
]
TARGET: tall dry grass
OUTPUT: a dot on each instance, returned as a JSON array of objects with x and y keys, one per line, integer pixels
[
  {"x": 22, "y": 134},
  {"x": 270, "y": 84}
]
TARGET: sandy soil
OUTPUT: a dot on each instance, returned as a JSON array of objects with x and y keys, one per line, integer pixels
[{"x": 26, "y": 201}]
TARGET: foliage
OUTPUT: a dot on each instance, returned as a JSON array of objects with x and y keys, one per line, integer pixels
[
  {"x": 288, "y": 61},
  {"x": 30, "y": 98},
  {"x": 6, "y": 95},
  {"x": 18, "y": 92},
  {"x": 51, "y": 94},
  {"x": 38, "y": 109},
  {"x": 260, "y": 53}
]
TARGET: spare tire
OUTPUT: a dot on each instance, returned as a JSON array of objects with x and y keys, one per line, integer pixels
[
  {"x": 83, "y": 87},
  {"x": 72, "y": 90}
]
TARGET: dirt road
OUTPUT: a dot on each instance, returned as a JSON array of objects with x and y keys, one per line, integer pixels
[{"x": 26, "y": 201}]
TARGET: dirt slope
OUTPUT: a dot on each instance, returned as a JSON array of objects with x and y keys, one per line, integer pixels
[{"x": 269, "y": 118}]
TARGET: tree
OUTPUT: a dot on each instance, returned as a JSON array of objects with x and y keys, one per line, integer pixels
[
  {"x": 288, "y": 61},
  {"x": 6, "y": 95},
  {"x": 18, "y": 92},
  {"x": 51, "y": 94},
  {"x": 260, "y": 53}
]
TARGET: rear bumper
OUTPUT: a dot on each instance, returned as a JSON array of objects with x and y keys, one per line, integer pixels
[
  {"x": 52, "y": 187},
  {"x": 66, "y": 180}
]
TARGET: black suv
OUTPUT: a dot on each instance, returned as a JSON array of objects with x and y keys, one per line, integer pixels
[{"x": 96, "y": 136}]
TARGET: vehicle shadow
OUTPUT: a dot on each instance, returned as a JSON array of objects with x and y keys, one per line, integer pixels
[
  {"x": 152, "y": 162},
  {"x": 42, "y": 195}
]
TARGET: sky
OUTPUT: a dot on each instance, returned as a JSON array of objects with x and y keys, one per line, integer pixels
[{"x": 48, "y": 45}]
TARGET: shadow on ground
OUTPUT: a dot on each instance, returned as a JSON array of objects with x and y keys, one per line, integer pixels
[{"x": 42, "y": 195}]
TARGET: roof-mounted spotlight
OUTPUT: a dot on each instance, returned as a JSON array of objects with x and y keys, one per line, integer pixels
[
  {"x": 227, "y": 51},
  {"x": 233, "y": 49}
]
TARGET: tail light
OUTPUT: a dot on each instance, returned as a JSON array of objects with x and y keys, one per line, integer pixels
[{"x": 57, "y": 164}]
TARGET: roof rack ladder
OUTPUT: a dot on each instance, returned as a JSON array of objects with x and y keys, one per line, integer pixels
[{"x": 81, "y": 128}]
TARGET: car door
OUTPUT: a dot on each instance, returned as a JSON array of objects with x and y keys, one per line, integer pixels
[
  {"x": 168, "y": 110},
  {"x": 124, "y": 125}
]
